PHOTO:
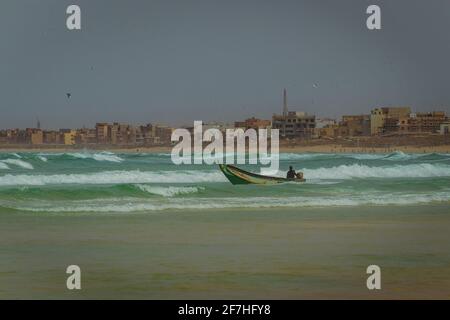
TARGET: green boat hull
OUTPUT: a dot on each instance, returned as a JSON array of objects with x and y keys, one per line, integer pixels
[{"x": 238, "y": 176}]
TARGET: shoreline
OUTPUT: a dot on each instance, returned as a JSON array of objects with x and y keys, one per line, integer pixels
[
  {"x": 263, "y": 254},
  {"x": 332, "y": 148}
]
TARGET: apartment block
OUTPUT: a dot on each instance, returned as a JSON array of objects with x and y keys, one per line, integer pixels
[
  {"x": 253, "y": 123},
  {"x": 384, "y": 120}
]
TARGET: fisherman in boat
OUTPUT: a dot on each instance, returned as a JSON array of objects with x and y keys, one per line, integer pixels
[{"x": 291, "y": 173}]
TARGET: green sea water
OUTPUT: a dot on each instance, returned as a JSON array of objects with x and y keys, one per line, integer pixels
[
  {"x": 141, "y": 227},
  {"x": 104, "y": 182}
]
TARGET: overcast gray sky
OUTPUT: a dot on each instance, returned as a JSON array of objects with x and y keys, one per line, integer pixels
[{"x": 175, "y": 61}]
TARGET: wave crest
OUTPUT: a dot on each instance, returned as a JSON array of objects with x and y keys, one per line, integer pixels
[
  {"x": 344, "y": 172},
  {"x": 115, "y": 177},
  {"x": 168, "y": 191},
  {"x": 3, "y": 166},
  {"x": 102, "y": 156},
  {"x": 125, "y": 205},
  {"x": 19, "y": 163}
]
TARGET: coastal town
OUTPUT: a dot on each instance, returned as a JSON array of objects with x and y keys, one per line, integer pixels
[{"x": 380, "y": 127}]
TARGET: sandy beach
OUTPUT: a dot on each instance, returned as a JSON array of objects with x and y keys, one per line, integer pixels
[{"x": 318, "y": 253}]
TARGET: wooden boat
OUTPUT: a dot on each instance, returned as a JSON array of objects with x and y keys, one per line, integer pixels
[{"x": 239, "y": 176}]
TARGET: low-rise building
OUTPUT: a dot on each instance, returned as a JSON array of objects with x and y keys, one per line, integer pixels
[
  {"x": 121, "y": 134},
  {"x": 37, "y": 137},
  {"x": 422, "y": 122},
  {"x": 253, "y": 123},
  {"x": 68, "y": 136},
  {"x": 52, "y": 137},
  {"x": 445, "y": 128},
  {"x": 324, "y": 122},
  {"x": 103, "y": 133},
  {"x": 384, "y": 120},
  {"x": 162, "y": 134},
  {"x": 356, "y": 125},
  {"x": 294, "y": 124},
  {"x": 86, "y": 136}
]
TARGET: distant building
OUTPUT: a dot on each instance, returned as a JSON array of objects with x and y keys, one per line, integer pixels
[
  {"x": 222, "y": 126},
  {"x": 86, "y": 136},
  {"x": 37, "y": 137},
  {"x": 162, "y": 134},
  {"x": 445, "y": 128},
  {"x": 324, "y": 122},
  {"x": 356, "y": 125},
  {"x": 421, "y": 122},
  {"x": 68, "y": 136},
  {"x": 121, "y": 134},
  {"x": 139, "y": 135},
  {"x": 385, "y": 119},
  {"x": 3, "y": 137},
  {"x": 52, "y": 137},
  {"x": 9, "y": 136},
  {"x": 253, "y": 123},
  {"x": 102, "y": 133},
  {"x": 145, "y": 134},
  {"x": 402, "y": 121},
  {"x": 293, "y": 124}
]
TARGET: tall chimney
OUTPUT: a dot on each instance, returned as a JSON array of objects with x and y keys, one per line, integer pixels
[{"x": 285, "y": 107}]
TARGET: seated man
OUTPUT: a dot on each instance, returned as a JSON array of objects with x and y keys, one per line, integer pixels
[{"x": 291, "y": 173}]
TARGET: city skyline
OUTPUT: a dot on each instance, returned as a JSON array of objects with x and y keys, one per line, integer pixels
[
  {"x": 284, "y": 109},
  {"x": 381, "y": 122},
  {"x": 179, "y": 61}
]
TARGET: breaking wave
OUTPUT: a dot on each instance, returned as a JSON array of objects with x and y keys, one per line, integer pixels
[
  {"x": 115, "y": 177},
  {"x": 100, "y": 156},
  {"x": 394, "y": 156},
  {"x": 3, "y": 166},
  {"x": 18, "y": 162},
  {"x": 168, "y": 191},
  {"x": 344, "y": 172},
  {"x": 139, "y": 205},
  {"x": 103, "y": 156}
]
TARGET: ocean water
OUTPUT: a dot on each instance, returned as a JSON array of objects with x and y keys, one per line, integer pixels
[
  {"x": 140, "y": 227},
  {"x": 104, "y": 182}
]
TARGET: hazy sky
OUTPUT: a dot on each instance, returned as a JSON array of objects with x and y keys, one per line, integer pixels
[{"x": 175, "y": 61}]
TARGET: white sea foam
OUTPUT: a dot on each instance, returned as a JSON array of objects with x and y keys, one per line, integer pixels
[
  {"x": 103, "y": 156},
  {"x": 115, "y": 177},
  {"x": 139, "y": 205},
  {"x": 306, "y": 156},
  {"x": 394, "y": 156},
  {"x": 42, "y": 158},
  {"x": 18, "y": 162},
  {"x": 399, "y": 155},
  {"x": 344, "y": 172},
  {"x": 107, "y": 157},
  {"x": 3, "y": 166},
  {"x": 168, "y": 191}
]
